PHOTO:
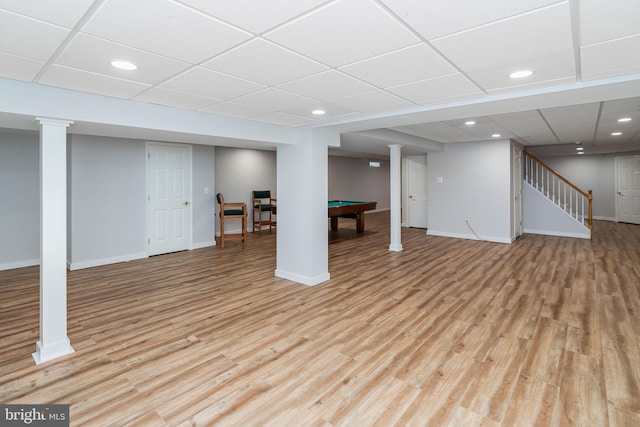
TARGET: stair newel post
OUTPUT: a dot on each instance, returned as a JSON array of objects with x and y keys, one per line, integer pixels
[{"x": 590, "y": 198}]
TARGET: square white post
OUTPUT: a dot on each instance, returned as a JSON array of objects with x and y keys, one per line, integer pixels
[
  {"x": 53, "y": 341},
  {"x": 395, "y": 180}
]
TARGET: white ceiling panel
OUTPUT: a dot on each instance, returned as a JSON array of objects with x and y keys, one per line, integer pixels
[
  {"x": 447, "y": 88},
  {"x": 438, "y": 131},
  {"x": 167, "y": 29},
  {"x": 437, "y": 18},
  {"x": 17, "y": 68},
  {"x": 327, "y": 86},
  {"x": 264, "y": 62},
  {"x": 332, "y": 111},
  {"x": 152, "y": 69},
  {"x": 29, "y": 38},
  {"x": 613, "y": 58},
  {"x": 374, "y": 102},
  {"x": 284, "y": 100},
  {"x": 575, "y": 123},
  {"x": 606, "y": 20},
  {"x": 60, "y": 12},
  {"x": 233, "y": 109},
  {"x": 418, "y": 62},
  {"x": 264, "y": 15},
  {"x": 283, "y": 119},
  {"x": 525, "y": 36},
  {"x": 172, "y": 98},
  {"x": 211, "y": 84},
  {"x": 84, "y": 81},
  {"x": 558, "y": 67},
  {"x": 332, "y": 36}
]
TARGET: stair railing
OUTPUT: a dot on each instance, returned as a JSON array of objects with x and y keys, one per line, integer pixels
[{"x": 559, "y": 190}]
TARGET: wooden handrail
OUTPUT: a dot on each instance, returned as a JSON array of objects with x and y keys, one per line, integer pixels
[
  {"x": 557, "y": 175},
  {"x": 587, "y": 195}
]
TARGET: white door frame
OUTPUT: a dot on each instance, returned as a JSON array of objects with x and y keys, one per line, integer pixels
[
  {"x": 411, "y": 220},
  {"x": 189, "y": 192}
]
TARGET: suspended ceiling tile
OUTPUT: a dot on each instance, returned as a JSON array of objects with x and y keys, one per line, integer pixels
[
  {"x": 554, "y": 68},
  {"x": 437, "y": 18},
  {"x": 374, "y": 102},
  {"x": 402, "y": 66},
  {"x": 514, "y": 39},
  {"x": 332, "y": 111},
  {"x": 233, "y": 109},
  {"x": 437, "y": 131},
  {"x": 613, "y": 58},
  {"x": 70, "y": 78},
  {"x": 17, "y": 68},
  {"x": 272, "y": 99},
  {"x": 327, "y": 86},
  {"x": 263, "y": 15},
  {"x": 607, "y": 20},
  {"x": 18, "y": 36},
  {"x": 152, "y": 68},
  {"x": 165, "y": 28},
  {"x": 60, "y": 12},
  {"x": 573, "y": 123},
  {"x": 441, "y": 89},
  {"x": 264, "y": 62},
  {"x": 283, "y": 119},
  {"x": 344, "y": 32},
  {"x": 211, "y": 84},
  {"x": 172, "y": 98}
]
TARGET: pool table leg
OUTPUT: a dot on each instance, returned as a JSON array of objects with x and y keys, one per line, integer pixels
[
  {"x": 334, "y": 222},
  {"x": 360, "y": 222}
]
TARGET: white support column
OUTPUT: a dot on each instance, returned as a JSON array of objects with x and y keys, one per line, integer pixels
[
  {"x": 53, "y": 341},
  {"x": 395, "y": 197},
  {"x": 302, "y": 238}
]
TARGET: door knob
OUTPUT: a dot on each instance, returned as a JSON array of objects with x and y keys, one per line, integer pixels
[
  {"x": 186, "y": 203},
  {"x": 619, "y": 193}
]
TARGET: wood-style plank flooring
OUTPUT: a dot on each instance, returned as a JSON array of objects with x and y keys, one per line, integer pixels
[{"x": 446, "y": 332}]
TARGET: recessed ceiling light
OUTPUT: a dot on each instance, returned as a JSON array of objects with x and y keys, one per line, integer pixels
[
  {"x": 520, "y": 74},
  {"x": 124, "y": 65},
  {"x": 496, "y": 135},
  {"x": 318, "y": 112},
  {"x": 580, "y": 148},
  {"x": 580, "y": 152},
  {"x": 616, "y": 133},
  {"x": 470, "y": 123},
  {"x": 625, "y": 119}
]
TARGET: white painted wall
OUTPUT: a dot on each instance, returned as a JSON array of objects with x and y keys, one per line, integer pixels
[
  {"x": 353, "y": 179},
  {"x": 20, "y": 195},
  {"x": 476, "y": 184},
  {"x": 542, "y": 216},
  {"x": 106, "y": 206}
]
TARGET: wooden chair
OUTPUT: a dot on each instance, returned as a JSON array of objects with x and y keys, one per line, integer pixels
[
  {"x": 229, "y": 210},
  {"x": 262, "y": 203}
]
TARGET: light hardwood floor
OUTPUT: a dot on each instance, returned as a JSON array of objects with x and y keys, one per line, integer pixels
[{"x": 447, "y": 332}]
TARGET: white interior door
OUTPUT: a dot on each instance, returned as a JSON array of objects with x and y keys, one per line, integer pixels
[
  {"x": 169, "y": 197},
  {"x": 628, "y": 189},
  {"x": 417, "y": 191}
]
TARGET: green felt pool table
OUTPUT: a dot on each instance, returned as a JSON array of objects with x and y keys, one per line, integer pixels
[{"x": 349, "y": 209}]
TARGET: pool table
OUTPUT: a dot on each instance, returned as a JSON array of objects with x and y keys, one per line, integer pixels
[{"x": 349, "y": 209}]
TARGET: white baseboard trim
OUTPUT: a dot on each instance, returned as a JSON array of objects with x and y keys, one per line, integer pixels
[
  {"x": 557, "y": 233},
  {"x": 105, "y": 261},
  {"x": 468, "y": 236},
  {"x": 605, "y": 218},
  {"x": 201, "y": 245},
  {"x": 309, "y": 281},
  {"x": 19, "y": 264}
]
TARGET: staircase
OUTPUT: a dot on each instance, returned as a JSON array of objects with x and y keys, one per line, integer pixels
[{"x": 573, "y": 201}]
